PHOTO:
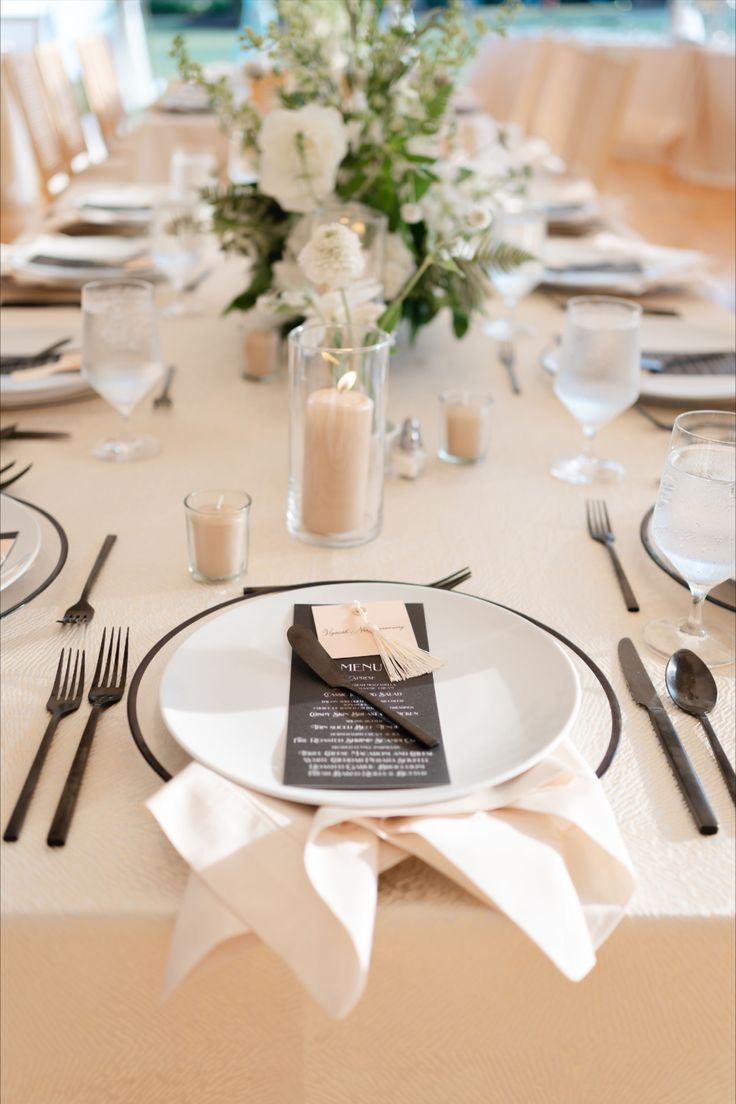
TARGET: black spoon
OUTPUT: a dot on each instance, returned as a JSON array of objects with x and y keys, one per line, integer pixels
[{"x": 692, "y": 687}]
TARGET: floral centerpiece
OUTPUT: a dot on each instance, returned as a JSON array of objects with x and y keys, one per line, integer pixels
[{"x": 364, "y": 115}]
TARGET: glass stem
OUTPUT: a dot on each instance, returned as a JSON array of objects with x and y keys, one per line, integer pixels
[
  {"x": 511, "y": 305},
  {"x": 588, "y": 438},
  {"x": 694, "y": 624}
]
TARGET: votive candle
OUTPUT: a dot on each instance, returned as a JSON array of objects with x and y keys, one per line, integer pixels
[
  {"x": 217, "y": 534},
  {"x": 464, "y": 427}
]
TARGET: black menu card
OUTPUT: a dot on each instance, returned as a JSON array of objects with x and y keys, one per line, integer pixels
[{"x": 335, "y": 740}]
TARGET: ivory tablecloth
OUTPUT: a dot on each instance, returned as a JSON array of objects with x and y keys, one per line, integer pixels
[
  {"x": 680, "y": 111},
  {"x": 459, "y": 1006}
]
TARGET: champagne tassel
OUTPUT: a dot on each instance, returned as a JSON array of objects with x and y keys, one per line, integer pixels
[{"x": 400, "y": 661}]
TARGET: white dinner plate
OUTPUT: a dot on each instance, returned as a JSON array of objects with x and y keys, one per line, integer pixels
[
  {"x": 507, "y": 694},
  {"x": 15, "y": 517},
  {"x": 65, "y": 387},
  {"x": 129, "y": 203},
  {"x": 668, "y": 386}
]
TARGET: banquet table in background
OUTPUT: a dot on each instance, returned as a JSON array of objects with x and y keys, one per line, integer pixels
[
  {"x": 680, "y": 109},
  {"x": 459, "y": 1005}
]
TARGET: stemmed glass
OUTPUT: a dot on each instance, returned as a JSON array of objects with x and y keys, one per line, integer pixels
[
  {"x": 694, "y": 524},
  {"x": 177, "y": 248},
  {"x": 121, "y": 356},
  {"x": 598, "y": 377},
  {"x": 526, "y": 230}
]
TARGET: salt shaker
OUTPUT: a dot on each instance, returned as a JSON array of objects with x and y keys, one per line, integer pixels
[{"x": 409, "y": 457}]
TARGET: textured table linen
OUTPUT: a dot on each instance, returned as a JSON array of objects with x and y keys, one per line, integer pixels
[
  {"x": 680, "y": 110},
  {"x": 459, "y": 1004}
]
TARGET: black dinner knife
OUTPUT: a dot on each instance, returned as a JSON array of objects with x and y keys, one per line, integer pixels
[
  {"x": 644, "y": 694},
  {"x": 308, "y": 648}
]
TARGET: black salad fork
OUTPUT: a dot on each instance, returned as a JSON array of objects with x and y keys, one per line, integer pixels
[
  {"x": 599, "y": 527},
  {"x": 82, "y": 612},
  {"x": 108, "y": 687},
  {"x": 65, "y": 697}
]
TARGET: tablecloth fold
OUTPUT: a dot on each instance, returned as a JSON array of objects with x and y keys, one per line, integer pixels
[{"x": 543, "y": 848}]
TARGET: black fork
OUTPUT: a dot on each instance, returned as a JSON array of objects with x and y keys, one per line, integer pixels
[
  {"x": 599, "y": 527},
  {"x": 108, "y": 687},
  {"x": 65, "y": 697}
]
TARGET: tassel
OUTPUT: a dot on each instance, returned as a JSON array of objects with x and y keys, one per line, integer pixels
[{"x": 400, "y": 661}]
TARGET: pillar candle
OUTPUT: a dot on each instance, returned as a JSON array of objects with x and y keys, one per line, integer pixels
[
  {"x": 466, "y": 431},
  {"x": 337, "y": 444}
]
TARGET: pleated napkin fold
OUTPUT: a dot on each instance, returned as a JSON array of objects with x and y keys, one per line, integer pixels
[{"x": 543, "y": 848}]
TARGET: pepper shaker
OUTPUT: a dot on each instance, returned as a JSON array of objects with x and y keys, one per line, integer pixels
[{"x": 409, "y": 457}]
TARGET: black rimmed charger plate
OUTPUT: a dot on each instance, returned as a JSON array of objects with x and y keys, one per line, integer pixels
[
  {"x": 22, "y": 599},
  {"x": 155, "y": 764},
  {"x": 724, "y": 595}
]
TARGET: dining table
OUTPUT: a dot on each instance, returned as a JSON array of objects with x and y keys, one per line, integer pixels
[{"x": 459, "y": 1004}]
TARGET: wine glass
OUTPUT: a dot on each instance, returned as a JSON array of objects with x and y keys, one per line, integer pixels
[
  {"x": 694, "y": 524},
  {"x": 525, "y": 230},
  {"x": 598, "y": 377},
  {"x": 178, "y": 250},
  {"x": 121, "y": 356}
]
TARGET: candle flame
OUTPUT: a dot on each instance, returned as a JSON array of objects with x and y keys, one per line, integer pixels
[{"x": 347, "y": 381}]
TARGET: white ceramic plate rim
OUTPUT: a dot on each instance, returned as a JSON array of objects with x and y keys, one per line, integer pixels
[
  {"x": 668, "y": 386},
  {"x": 203, "y": 749},
  {"x": 28, "y": 543}
]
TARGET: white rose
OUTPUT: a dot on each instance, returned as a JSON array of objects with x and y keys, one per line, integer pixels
[
  {"x": 398, "y": 265},
  {"x": 411, "y": 212},
  {"x": 332, "y": 257},
  {"x": 300, "y": 154}
]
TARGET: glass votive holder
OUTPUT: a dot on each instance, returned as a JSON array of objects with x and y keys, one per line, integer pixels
[
  {"x": 465, "y": 422},
  {"x": 217, "y": 534},
  {"x": 262, "y": 352}
]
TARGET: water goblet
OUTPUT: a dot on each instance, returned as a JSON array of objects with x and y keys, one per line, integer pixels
[
  {"x": 694, "y": 524},
  {"x": 525, "y": 230},
  {"x": 178, "y": 243},
  {"x": 121, "y": 356},
  {"x": 598, "y": 377}
]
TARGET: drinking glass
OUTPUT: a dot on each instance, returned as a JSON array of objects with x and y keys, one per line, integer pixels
[
  {"x": 526, "y": 230},
  {"x": 598, "y": 377},
  {"x": 121, "y": 356},
  {"x": 190, "y": 171},
  {"x": 178, "y": 250},
  {"x": 694, "y": 524}
]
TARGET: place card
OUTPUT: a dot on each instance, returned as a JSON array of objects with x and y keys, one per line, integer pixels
[
  {"x": 343, "y": 634},
  {"x": 335, "y": 740},
  {"x": 7, "y": 540}
]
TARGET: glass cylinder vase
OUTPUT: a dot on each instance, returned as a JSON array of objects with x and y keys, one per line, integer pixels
[{"x": 337, "y": 421}]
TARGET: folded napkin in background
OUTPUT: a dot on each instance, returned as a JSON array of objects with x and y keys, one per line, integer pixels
[
  {"x": 110, "y": 251},
  {"x": 607, "y": 253},
  {"x": 543, "y": 848}
]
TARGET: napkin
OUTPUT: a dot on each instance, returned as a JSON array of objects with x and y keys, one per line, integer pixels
[
  {"x": 543, "y": 848},
  {"x": 656, "y": 264}
]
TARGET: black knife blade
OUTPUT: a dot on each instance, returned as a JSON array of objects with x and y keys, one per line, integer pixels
[
  {"x": 643, "y": 692},
  {"x": 12, "y": 433},
  {"x": 306, "y": 645}
]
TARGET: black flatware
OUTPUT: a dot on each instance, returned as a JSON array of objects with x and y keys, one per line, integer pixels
[
  {"x": 82, "y": 612},
  {"x": 599, "y": 527},
  {"x": 164, "y": 399},
  {"x": 644, "y": 694},
  {"x": 449, "y": 582},
  {"x": 5, "y": 483},
  {"x": 306, "y": 645},
  {"x": 507, "y": 356},
  {"x": 65, "y": 698},
  {"x": 655, "y": 421},
  {"x": 16, "y": 363},
  {"x": 108, "y": 687},
  {"x": 690, "y": 364},
  {"x": 13, "y": 433},
  {"x": 693, "y": 689}
]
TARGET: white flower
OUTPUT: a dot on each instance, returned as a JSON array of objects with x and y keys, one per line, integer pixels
[
  {"x": 411, "y": 212},
  {"x": 300, "y": 154},
  {"x": 398, "y": 265},
  {"x": 478, "y": 218},
  {"x": 332, "y": 257}
]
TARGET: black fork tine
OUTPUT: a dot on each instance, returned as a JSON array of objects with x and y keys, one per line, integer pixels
[
  {"x": 588, "y": 516},
  {"x": 111, "y": 644},
  {"x": 57, "y": 680},
  {"x": 70, "y": 690},
  {"x": 65, "y": 686},
  {"x": 124, "y": 671},
  {"x": 7, "y": 467},
  {"x": 114, "y": 677},
  {"x": 100, "y": 657},
  {"x": 609, "y": 529},
  {"x": 80, "y": 684}
]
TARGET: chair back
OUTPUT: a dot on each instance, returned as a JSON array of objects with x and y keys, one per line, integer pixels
[
  {"x": 62, "y": 100},
  {"x": 22, "y": 77},
  {"x": 101, "y": 83}
]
